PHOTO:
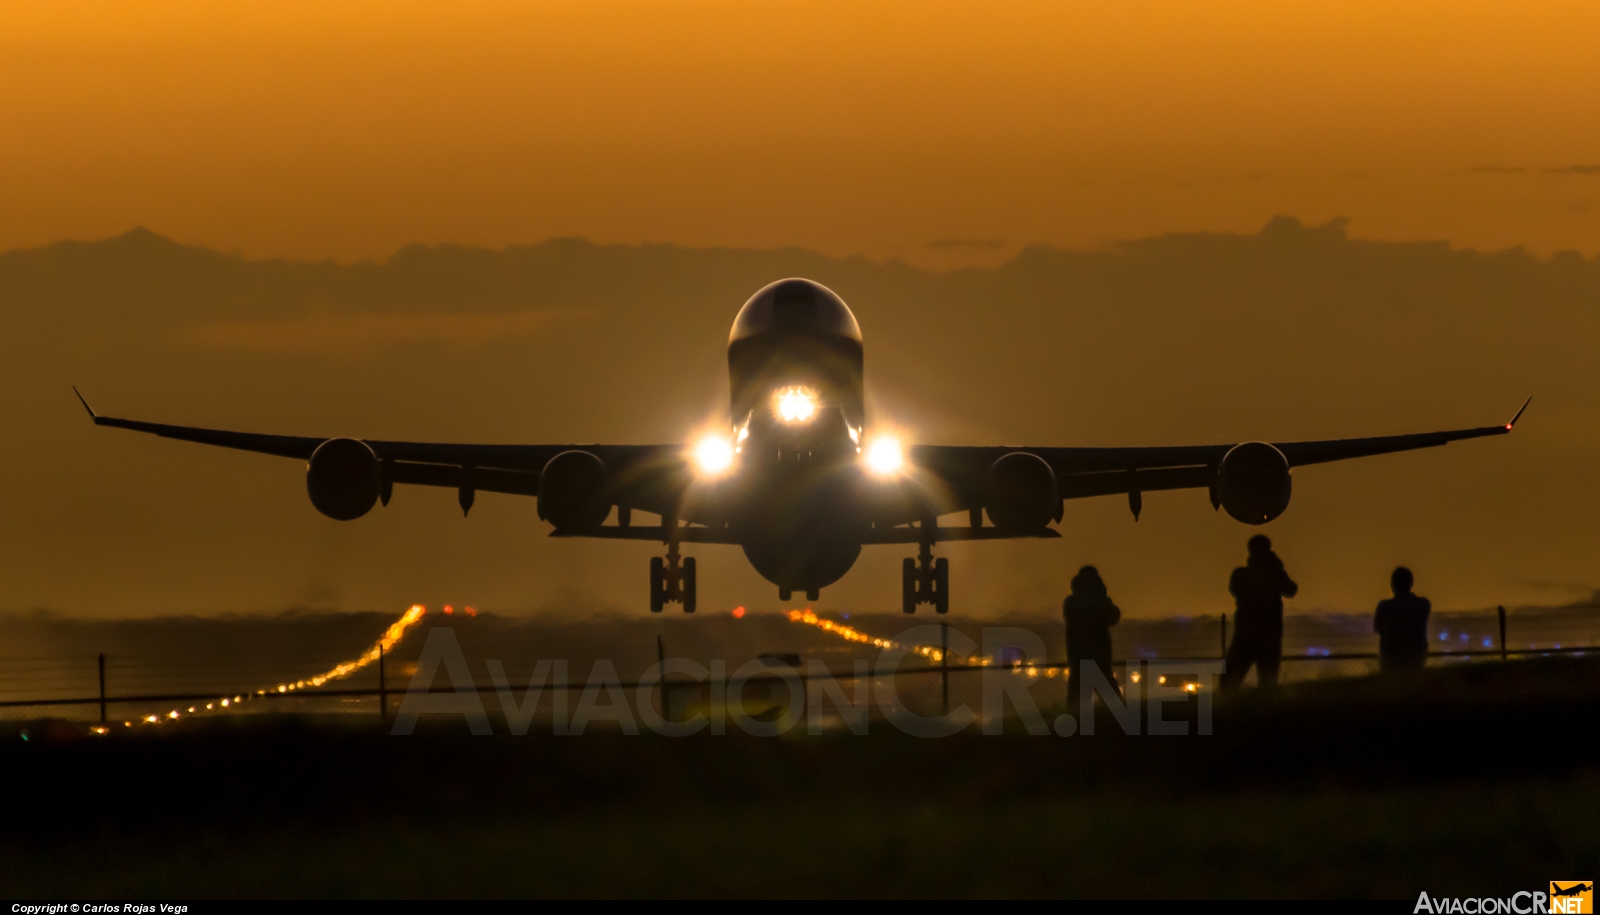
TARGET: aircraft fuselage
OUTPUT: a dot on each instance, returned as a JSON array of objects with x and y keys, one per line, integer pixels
[{"x": 797, "y": 401}]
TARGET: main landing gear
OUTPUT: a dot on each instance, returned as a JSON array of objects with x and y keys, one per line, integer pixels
[
  {"x": 672, "y": 581},
  {"x": 925, "y": 581}
]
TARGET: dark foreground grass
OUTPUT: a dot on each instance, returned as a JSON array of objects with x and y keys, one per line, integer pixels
[
  {"x": 1468, "y": 839},
  {"x": 1470, "y": 782}
]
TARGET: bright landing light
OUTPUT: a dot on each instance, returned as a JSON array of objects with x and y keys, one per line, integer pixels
[
  {"x": 884, "y": 457},
  {"x": 713, "y": 455},
  {"x": 796, "y": 404}
]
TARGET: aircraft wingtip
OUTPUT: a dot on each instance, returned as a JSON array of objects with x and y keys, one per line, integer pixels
[
  {"x": 92, "y": 414},
  {"x": 1513, "y": 423}
]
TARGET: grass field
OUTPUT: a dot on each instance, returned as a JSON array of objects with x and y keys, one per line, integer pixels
[{"x": 1470, "y": 781}]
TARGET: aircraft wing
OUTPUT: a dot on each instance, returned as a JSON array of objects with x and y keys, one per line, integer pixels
[
  {"x": 958, "y": 473},
  {"x": 654, "y": 478},
  {"x": 647, "y": 477}
]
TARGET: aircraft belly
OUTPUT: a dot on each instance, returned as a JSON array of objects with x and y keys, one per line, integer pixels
[
  {"x": 803, "y": 564},
  {"x": 801, "y": 530}
]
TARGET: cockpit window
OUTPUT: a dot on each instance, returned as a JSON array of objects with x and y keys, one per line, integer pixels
[{"x": 795, "y": 306}]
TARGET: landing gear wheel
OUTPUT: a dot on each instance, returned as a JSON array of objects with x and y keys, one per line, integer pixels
[
  {"x": 658, "y": 584},
  {"x": 908, "y": 585},
  {"x": 925, "y": 580},
  {"x": 688, "y": 585}
]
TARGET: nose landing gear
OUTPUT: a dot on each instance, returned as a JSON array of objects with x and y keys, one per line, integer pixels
[
  {"x": 925, "y": 580},
  {"x": 786, "y": 594},
  {"x": 672, "y": 580}
]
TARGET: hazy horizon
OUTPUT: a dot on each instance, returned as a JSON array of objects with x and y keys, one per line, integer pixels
[{"x": 1000, "y": 254}]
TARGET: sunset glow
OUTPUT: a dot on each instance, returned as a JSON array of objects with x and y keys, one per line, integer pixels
[{"x": 878, "y": 129}]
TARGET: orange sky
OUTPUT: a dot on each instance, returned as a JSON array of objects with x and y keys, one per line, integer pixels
[{"x": 348, "y": 129}]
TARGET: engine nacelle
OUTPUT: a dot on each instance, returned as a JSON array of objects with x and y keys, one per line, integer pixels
[
  {"x": 343, "y": 478},
  {"x": 572, "y": 491},
  {"x": 1022, "y": 494},
  {"x": 1253, "y": 482}
]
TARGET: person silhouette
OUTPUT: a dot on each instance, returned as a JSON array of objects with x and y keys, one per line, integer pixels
[
  {"x": 1258, "y": 588},
  {"x": 1401, "y": 623},
  {"x": 1090, "y": 614}
]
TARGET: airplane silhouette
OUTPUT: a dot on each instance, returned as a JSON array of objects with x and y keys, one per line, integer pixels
[
  {"x": 798, "y": 478},
  {"x": 1577, "y": 889}
]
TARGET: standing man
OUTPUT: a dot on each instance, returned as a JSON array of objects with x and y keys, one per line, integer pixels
[
  {"x": 1258, "y": 588},
  {"x": 1090, "y": 615},
  {"x": 1402, "y": 626}
]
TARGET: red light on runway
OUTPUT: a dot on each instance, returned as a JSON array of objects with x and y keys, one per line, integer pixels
[{"x": 738, "y": 613}]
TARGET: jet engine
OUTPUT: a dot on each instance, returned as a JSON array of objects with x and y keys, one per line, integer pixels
[
  {"x": 572, "y": 491},
  {"x": 1022, "y": 494},
  {"x": 1253, "y": 482},
  {"x": 343, "y": 478}
]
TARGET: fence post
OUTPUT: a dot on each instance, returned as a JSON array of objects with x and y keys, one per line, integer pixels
[
  {"x": 1224, "y": 635},
  {"x": 1502, "y": 632},
  {"x": 103, "y": 686},
  {"x": 944, "y": 664},
  {"x": 661, "y": 676},
  {"x": 383, "y": 688}
]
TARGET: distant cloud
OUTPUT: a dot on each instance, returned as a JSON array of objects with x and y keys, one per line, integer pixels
[
  {"x": 1548, "y": 170},
  {"x": 987, "y": 244},
  {"x": 364, "y": 332},
  {"x": 1547, "y": 585}
]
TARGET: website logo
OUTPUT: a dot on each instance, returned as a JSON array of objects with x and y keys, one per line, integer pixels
[
  {"x": 1566, "y": 897},
  {"x": 1572, "y": 897}
]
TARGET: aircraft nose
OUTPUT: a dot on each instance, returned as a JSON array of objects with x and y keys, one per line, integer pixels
[{"x": 795, "y": 306}]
